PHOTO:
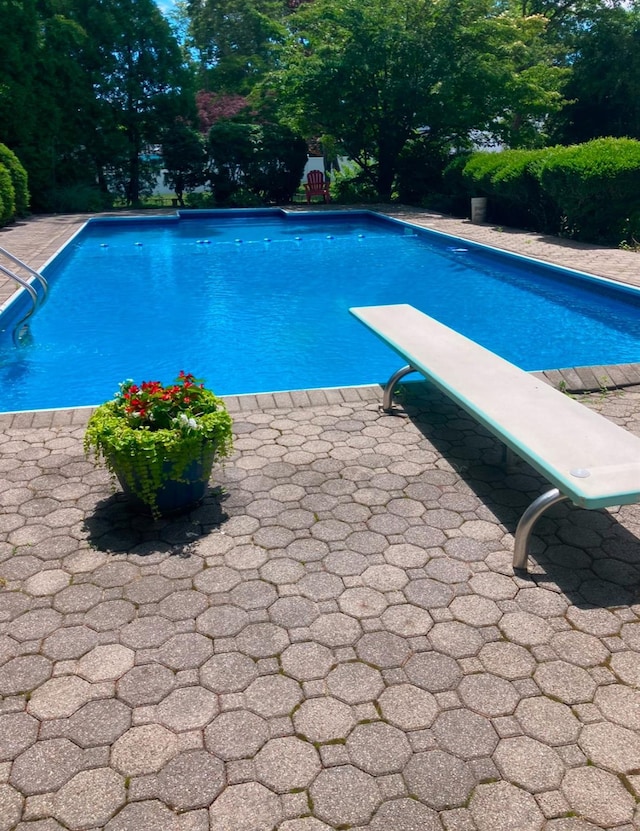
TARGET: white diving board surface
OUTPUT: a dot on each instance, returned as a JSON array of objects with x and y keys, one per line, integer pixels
[{"x": 589, "y": 460}]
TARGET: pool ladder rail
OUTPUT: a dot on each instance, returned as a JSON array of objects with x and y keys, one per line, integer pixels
[{"x": 21, "y": 329}]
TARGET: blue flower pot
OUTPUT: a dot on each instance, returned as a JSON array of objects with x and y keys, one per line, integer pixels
[{"x": 177, "y": 495}]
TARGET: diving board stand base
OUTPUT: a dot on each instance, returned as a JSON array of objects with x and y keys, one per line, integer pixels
[{"x": 588, "y": 459}]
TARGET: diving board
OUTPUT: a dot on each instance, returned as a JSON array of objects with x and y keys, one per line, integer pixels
[{"x": 588, "y": 459}]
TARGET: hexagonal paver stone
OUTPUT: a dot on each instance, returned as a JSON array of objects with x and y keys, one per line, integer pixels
[
  {"x": 148, "y": 589},
  {"x": 46, "y": 766},
  {"x": 24, "y": 673},
  {"x": 10, "y": 807},
  {"x": 362, "y": 602},
  {"x": 183, "y": 605},
  {"x": 439, "y": 779},
  {"x": 286, "y": 764},
  {"x": 146, "y": 684},
  {"x": 273, "y": 695},
  {"x": 306, "y": 661},
  {"x": 579, "y": 648},
  {"x": 428, "y": 594},
  {"x": 222, "y": 621},
  {"x": 551, "y": 722},
  {"x": 336, "y": 629},
  {"x": 69, "y": 642},
  {"x": 475, "y": 610},
  {"x": 60, "y": 697},
  {"x": 404, "y": 815},
  {"x": 611, "y": 746},
  {"x": 228, "y": 672},
  {"x": 355, "y": 683},
  {"x": 291, "y": 612},
  {"x": 408, "y": 707},
  {"x": 566, "y": 682},
  {"x": 406, "y": 620},
  {"x": 90, "y": 799},
  {"x": 188, "y": 708},
  {"x": 236, "y": 735},
  {"x": 378, "y": 748},
  {"x": 508, "y": 660},
  {"x": 19, "y": 731},
  {"x": 216, "y": 579},
  {"x": 488, "y": 695},
  {"x": 385, "y": 578},
  {"x": 433, "y": 672},
  {"x": 98, "y": 723},
  {"x": 248, "y": 807},
  {"x": 383, "y": 649},
  {"x": 191, "y": 780},
  {"x": 253, "y": 594},
  {"x": 525, "y": 629},
  {"x": 500, "y": 806},
  {"x": 324, "y": 719},
  {"x": 110, "y": 614},
  {"x": 47, "y": 582},
  {"x": 319, "y": 585},
  {"x": 620, "y": 704},
  {"x": 35, "y": 624},
  {"x": 598, "y": 796},
  {"x": 147, "y": 632},
  {"x": 529, "y": 764},
  {"x": 344, "y": 795},
  {"x": 152, "y": 815},
  {"x": 262, "y": 640},
  {"x": 456, "y": 639},
  {"x": 626, "y": 666},
  {"x": 144, "y": 749},
  {"x": 106, "y": 663},
  {"x": 304, "y": 824},
  {"x": 465, "y": 734},
  {"x": 186, "y": 651}
]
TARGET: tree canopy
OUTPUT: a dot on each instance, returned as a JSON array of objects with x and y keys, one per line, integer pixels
[
  {"x": 372, "y": 73},
  {"x": 86, "y": 87}
]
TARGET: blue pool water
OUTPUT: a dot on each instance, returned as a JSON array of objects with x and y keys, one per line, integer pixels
[{"x": 258, "y": 301}]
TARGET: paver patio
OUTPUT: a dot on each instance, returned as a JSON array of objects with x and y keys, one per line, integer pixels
[{"x": 335, "y": 638}]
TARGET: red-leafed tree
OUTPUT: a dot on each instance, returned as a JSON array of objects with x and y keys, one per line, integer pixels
[{"x": 213, "y": 106}]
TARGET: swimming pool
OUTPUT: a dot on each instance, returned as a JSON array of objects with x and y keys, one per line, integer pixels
[{"x": 257, "y": 301}]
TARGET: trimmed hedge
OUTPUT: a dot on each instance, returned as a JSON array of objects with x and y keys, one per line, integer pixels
[
  {"x": 596, "y": 187},
  {"x": 18, "y": 178},
  {"x": 7, "y": 197},
  {"x": 588, "y": 191}
]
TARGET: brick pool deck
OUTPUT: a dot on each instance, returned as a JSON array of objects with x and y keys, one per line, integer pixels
[{"x": 334, "y": 639}]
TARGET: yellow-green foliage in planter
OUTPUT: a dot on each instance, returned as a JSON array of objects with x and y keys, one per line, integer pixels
[{"x": 153, "y": 436}]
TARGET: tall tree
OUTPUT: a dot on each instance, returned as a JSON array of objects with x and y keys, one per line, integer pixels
[
  {"x": 371, "y": 73},
  {"x": 603, "y": 88},
  {"x": 235, "y": 40},
  {"x": 139, "y": 80}
]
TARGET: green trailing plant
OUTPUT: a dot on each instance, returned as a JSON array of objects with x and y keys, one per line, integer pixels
[{"x": 150, "y": 434}]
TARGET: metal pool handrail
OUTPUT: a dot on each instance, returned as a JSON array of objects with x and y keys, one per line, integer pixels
[{"x": 37, "y": 299}]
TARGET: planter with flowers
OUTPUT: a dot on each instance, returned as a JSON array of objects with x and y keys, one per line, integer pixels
[{"x": 160, "y": 442}]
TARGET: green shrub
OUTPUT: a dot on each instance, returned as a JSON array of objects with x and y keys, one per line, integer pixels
[
  {"x": 596, "y": 187},
  {"x": 420, "y": 168},
  {"x": 454, "y": 185},
  {"x": 350, "y": 186},
  {"x": 518, "y": 197},
  {"x": 77, "y": 199},
  {"x": 7, "y": 197},
  {"x": 200, "y": 199},
  {"x": 266, "y": 160},
  {"x": 18, "y": 178}
]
